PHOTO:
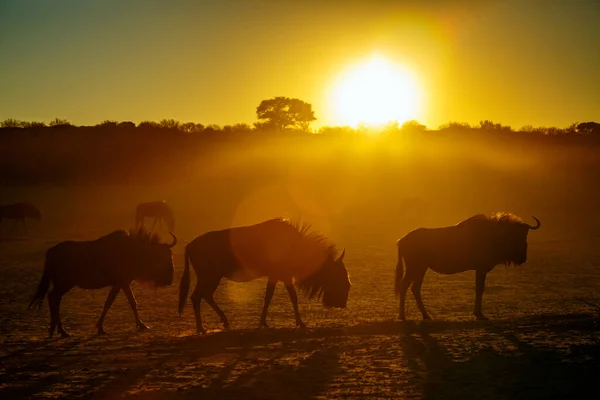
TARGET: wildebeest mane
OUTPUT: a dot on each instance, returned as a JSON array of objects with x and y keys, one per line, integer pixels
[
  {"x": 313, "y": 285},
  {"x": 506, "y": 218},
  {"x": 312, "y": 244},
  {"x": 143, "y": 235},
  {"x": 503, "y": 222},
  {"x": 498, "y": 217}
]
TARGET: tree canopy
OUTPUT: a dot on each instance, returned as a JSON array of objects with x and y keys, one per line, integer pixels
[{"x": 280, "y": 113}]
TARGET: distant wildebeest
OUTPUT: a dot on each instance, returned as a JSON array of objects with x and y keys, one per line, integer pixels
[
  {"x": 278, "y": 249},
  {"x": 116, "y": 260},
  {"x": 19, "y": 212},
  {"x": 159, "y": 210},
  {"x": 478, "y": 243}
]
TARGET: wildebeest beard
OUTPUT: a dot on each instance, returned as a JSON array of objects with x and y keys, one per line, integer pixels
[
  {"x": 328, "y": 285},
  {"x": 512, "y": 249},
  {"x": 156, "y": 272},
  {"x": 157, "y": 280},
  {"x": 154, "y": 261}
]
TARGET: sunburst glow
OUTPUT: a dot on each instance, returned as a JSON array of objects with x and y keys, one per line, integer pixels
[{"x": 375, "y": 92}]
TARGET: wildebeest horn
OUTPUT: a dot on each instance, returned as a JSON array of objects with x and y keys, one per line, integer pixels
[
  {"x": 342, "y": 256},
  {"x": 533, "y": 228},
  {"x": 174, "y": 240}
]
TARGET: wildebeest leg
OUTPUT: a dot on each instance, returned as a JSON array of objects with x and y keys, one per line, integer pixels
[
  {"x": 196, "y": 299},
  {"x": 153, "y": 225},
  {"x": 268, "y": 296},
  {"x": 107, "y": 304},
  {"x": 205, "y": 289},
  {"x": 404, "y": 285},
  {"x": 54, "y": 298},
  {"x": 139, "y": 222},
  {"x": 416, "y": 291},
  {"x": 211, "y": 302},
  {"x": 479, "y": 288},
  {"x": 133, "y": 304},
  {"x": 294, "y": 298}
]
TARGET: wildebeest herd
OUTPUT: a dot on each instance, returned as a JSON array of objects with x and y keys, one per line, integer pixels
[
  {"x": 19, "y": 212},
  {"x": 281, "y": 250}
]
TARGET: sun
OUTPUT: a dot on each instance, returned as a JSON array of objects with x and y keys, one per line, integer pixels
[{"x": 375, "y": 92}]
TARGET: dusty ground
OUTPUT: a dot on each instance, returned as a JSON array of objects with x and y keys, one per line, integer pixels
[{"x": 540, "y": 342}]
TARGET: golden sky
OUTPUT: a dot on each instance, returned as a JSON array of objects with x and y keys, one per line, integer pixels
[{"x": 515, "y": 62}]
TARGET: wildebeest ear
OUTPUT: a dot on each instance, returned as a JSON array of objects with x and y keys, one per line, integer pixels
[{"x": 342, "y": 256}]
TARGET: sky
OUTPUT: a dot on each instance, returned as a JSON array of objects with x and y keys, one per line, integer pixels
[{"x": 529, "y": 62}]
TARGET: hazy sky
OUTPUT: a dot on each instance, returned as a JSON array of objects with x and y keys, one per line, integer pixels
[{"x": 516, "y": 62}]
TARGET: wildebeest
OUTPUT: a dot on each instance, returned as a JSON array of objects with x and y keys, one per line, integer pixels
[
  {"x": 279, "y": 249},
  {"x": 19, "y": 212},
  {"x": 116, "y": 260},
  {"x": 159, "y": 210},
  {"x": 478, "y": 243}
]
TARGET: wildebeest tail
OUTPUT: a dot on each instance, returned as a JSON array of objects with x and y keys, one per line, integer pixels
[
  {"x": 184, "y": 285},
  {"x": 43, "y": 286},
  {"x": 399, "y": 267}
]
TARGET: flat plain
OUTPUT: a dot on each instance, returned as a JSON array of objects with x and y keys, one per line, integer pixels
[{"x": 540, "y": 341}]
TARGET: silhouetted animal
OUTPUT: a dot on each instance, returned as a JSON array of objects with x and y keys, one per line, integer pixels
[
  {"x": 114, "y": 260},
  {"x": 159, "y": 210},
  {"x": 279, "y": 249},
  {"x": 19, "y": 212},
  {"x": 478, "y": 243}
]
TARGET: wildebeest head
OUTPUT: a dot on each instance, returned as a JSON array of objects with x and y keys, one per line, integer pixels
[
  {"x": 34, "y": 213},
  {"x": 331, "y": 282},
  {"x": 337, "y": 287},
  {"x": 155, "y": 260},
  {"x": 512, "y": 238}
]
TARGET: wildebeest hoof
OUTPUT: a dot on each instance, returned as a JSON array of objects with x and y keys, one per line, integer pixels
[
  {"x": 263, "y": 324},
  {"x": 301, "y": 325},
  {"x": 101, "y": 332},
  {"x": 481, "y": 317},
  {"x": 64, "y": 334},
  {"x": 142, "y": 327},
  {"x": 402, "y": 318}
]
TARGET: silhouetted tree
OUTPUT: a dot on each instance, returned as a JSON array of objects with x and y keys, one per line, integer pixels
[
  {"x": 188, "y": 127},
  {"x": 211, "y": 128},
  {"x": 33, "y": 124},
  {"x": 242, "y": 128},
  {"x": 169, "y": 124},
  {"x": 265, "y": 126},
  {"x": 413, "y": 126},
  {"x": 126, "y": 125},
  {"x": 589, "y": 128},
  {"x": 148, "y": 125},
  {"x": 60, "y": 123},
  {"x": 455, "y": 126},
  {"x": 280, "y": 113},
  {"x": 108, "y": 124},
  {"x": 337, "y": 131},
  {"x": 11, "y": 123},
  {"x": 571, "y": 129},
  {"x": 488, "y": 125}
]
